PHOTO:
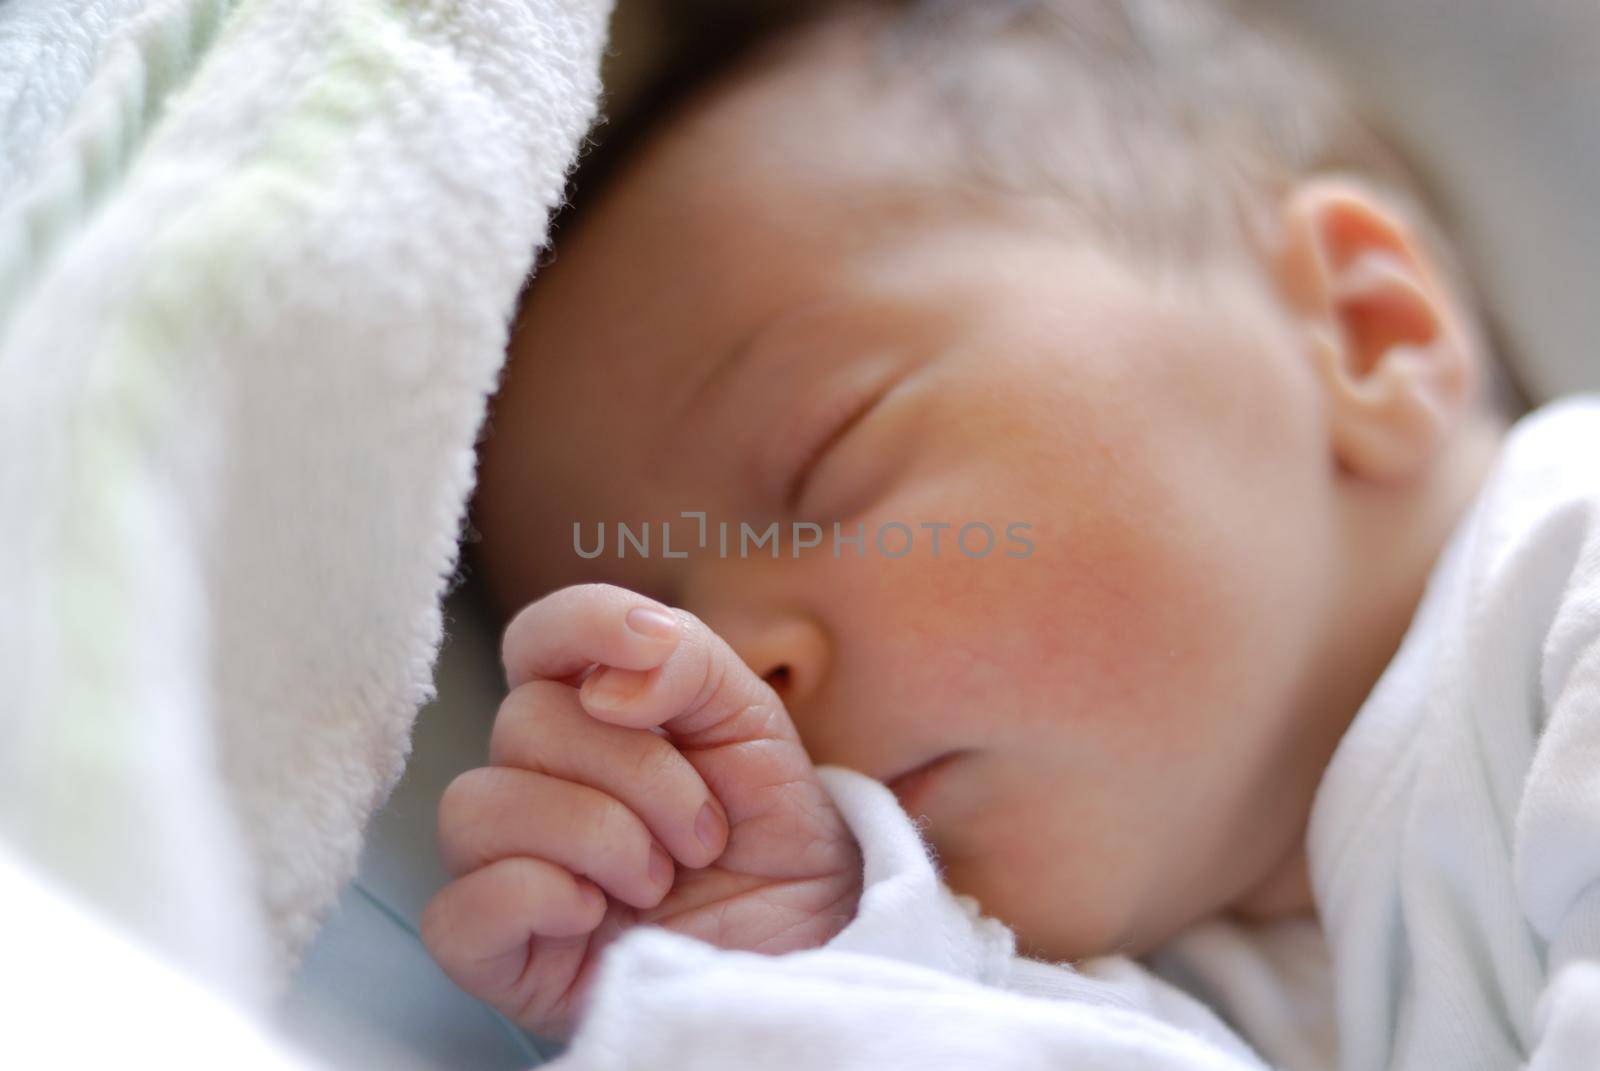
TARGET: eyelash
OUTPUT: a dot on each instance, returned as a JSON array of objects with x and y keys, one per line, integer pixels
[{"x": 820, "y": 447}]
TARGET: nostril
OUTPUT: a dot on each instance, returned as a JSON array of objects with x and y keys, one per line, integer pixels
[{"x": 778, "y": 677}]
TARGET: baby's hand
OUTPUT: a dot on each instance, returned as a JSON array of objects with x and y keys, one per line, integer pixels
[{"x": 557, "y": 845}]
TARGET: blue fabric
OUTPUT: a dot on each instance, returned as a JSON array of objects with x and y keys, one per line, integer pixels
[{"x": 367, "y": 989}]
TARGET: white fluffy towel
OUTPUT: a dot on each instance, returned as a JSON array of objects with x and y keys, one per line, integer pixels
[{"x": 257, "y": 263}]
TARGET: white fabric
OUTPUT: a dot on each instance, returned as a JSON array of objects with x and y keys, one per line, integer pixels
[
  {"x": 1455, "y": 839},
  {"x": 1271, "y": 981},
  {"x": 917, "y": 980},
  {"x": 48, "y": 51},
  {"x": 257, "y": 261},
  {"x": 367, "y": 976},
  {"x": 79, "y": 993}
]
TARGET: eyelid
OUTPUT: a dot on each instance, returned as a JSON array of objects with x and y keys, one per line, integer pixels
[{"x": 834, "y": 430}]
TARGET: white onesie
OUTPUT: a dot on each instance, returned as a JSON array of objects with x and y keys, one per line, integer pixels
[{"x": 1455, "y": 838}]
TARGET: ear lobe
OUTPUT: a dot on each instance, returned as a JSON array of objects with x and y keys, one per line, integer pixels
[{"x": 1381, "y": 328}]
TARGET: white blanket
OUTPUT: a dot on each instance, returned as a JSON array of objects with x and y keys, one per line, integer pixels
[
  {"x": 257, "y": 260},
  {"x": 918, "y": 980}
]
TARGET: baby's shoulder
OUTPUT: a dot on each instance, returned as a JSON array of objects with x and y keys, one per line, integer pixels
[{"x": 1533, "y": 533}]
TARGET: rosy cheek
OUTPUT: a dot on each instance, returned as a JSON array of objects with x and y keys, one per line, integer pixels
[
  {"x": 1086, "y": 635},
  {"x": 1079, "y": 628}
]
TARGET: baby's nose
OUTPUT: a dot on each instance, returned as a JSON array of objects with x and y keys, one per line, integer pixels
[{"x": 789, "y": 652}]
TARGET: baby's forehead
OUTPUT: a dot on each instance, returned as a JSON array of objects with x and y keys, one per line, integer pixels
[
  {"x": 724, "y": 217},
  {"x": 814, "y": 108},
  {"x": 763, "y": 198}
]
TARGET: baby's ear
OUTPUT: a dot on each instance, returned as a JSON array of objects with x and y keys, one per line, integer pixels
[{"x": 1381, "y": 327}]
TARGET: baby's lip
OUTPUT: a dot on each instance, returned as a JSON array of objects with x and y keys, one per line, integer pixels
[{"x": 910, "y": 784}]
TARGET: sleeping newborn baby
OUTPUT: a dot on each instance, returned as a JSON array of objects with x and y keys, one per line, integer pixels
[{"x": 1056, "y": 412}]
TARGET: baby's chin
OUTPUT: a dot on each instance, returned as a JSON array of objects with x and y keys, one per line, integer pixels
[{"x": 1086, "y": 922}]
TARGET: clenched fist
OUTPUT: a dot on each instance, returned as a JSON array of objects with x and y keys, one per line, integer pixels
[{"x": 639, "y": 772}]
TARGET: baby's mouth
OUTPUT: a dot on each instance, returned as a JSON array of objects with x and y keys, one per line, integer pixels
[{"x": 911, "y": 786}]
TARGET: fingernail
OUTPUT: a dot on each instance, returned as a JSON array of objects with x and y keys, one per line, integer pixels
[
  {"x": 652, "y": 623},
  {"x": 660, "y": 865},
  {"x": 708, "y": 827}
]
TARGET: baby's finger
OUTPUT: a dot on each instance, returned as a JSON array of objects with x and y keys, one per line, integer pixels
[
  {"x": 702, "y": 694},
  {"x": 543, "y": 727},
  {"x": 571, "y": 629},
  {"x": 497, "y": 812},
  {"x": 733, "y": 728},
  {"x": 478, "y": 928}
]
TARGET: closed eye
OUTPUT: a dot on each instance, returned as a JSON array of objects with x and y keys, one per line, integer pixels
[{"x": 854, "y": 411}]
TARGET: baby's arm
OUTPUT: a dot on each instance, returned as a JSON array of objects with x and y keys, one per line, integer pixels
[{"x": 567, "y": 839}]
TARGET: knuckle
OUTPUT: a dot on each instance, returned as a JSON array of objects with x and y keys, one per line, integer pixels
[
  {"x": 524, "y": 720},
  {"x": 714, "y": 676},
  {"x": 525, "y": 880},
  {"x": 526, "y": 700},
  {"x": 614, "y": 835},
  {"x": 519, "y": 632},
  {"x": 435, "y": 931},
  {"x": 584, "y": 596},
  {"x": 524, "y": 629},
  {"x": 657, "y": 765},
  {"x": 462, "y": 803}
]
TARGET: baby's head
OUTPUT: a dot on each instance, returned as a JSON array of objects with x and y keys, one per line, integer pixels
[{"x": 1120, "y": 295}]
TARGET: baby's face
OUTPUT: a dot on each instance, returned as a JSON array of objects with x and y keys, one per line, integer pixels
[{"x": 774, "y": 316}]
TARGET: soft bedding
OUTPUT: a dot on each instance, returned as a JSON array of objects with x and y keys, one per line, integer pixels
[
  {"x": 257, "y": 259},
  {"x": 256, "y": 263}
]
